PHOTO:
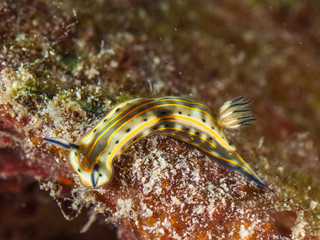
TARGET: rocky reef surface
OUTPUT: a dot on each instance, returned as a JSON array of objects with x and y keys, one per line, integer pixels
[{"x": 65, "y": 64}]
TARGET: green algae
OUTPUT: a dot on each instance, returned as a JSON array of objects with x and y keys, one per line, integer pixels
[
  {"x": 27, "y": 90},
  {"x": 123, "y": 97},
  {"x": 71, "y": 60}
]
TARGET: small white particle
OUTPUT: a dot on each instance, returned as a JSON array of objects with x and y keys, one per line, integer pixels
[
  {"x": 161, "y": 231},
  {"x": 20, "y": 36},
  {"x": 175, "y": 200},
  {"x": 243, "y": 232},
  {"x": 261, "y": 141},
  {"x": 78, "y": 95},
  {"x": 114, "y": 64},
  {"x": 313, "y": 205},
  {"x": 156, "y": 60},
  {"x": 280, "y": 169},
  {"x": 92, "y": 72}
]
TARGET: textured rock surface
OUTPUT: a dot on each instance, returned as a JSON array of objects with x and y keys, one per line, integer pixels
[{"x": 65, "y": 64}]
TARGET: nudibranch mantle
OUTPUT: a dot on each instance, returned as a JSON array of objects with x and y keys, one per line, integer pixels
[{"x": 182, "y": 118}]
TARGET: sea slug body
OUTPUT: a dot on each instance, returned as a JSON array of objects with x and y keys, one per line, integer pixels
[{"x": 188, "y": 120}]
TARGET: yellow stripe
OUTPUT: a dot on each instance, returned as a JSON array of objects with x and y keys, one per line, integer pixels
[
  {"x": 143, "y": 99},
  {"x": 247, "y": 166},
  {"x": 108, "y": 115},
  {"x": 93, "y": 146},
  {"x": 198, "y": 123},
  {"x": 145, "y": 125},
  {"x": 176, "y": 135},
  {"x": 157, "y": 106},
  {"x": 195, "y": 102},
  {"x": 131, "y": 134},
  {"x": 227, "y": 160}
]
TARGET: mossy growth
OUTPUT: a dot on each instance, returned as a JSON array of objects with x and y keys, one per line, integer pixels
[
  {"x": 28, "y": 90},
  {"x": 90, "y": 97},
  {"x": 123, "y": 97}
]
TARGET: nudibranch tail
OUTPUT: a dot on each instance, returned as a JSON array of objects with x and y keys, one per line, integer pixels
[
  {"x": 62, "y": 143},
  {"x": 234, "y": 114},
  {"x": 260, "y": 182}
]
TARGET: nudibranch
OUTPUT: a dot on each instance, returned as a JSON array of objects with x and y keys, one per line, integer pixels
[{"x": 188, "y": 120}]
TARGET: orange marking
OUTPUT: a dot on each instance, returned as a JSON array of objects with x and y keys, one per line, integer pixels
[
  {"x": 66, "y": 181},
  {"x": 210, "y": 153},
  {"x": 167, "y": 118},
  {"x": 158, "y": 106}
]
